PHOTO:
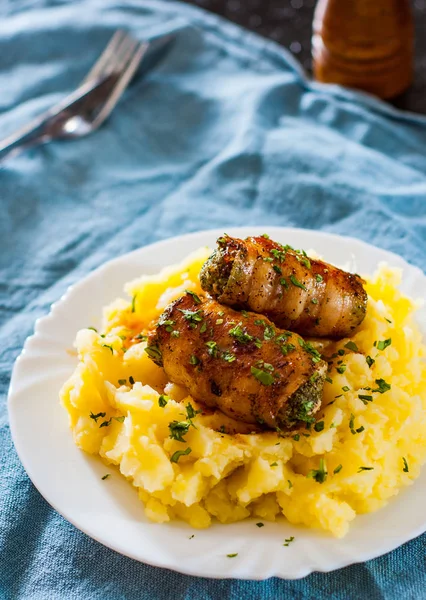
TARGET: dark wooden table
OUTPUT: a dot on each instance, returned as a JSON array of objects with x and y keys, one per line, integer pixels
[{"x": 289, "y": 22}]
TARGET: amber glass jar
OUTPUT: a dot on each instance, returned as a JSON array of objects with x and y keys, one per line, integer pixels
[{"x": 364, "y": 44}]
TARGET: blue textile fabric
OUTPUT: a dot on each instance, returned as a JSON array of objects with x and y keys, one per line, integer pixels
[{"x": 225, "y": 130}]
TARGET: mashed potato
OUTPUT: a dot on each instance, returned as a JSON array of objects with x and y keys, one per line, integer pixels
[{"x": 369, "y": 440}]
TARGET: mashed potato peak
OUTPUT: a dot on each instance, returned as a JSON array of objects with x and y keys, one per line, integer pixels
[{"x": 369, "y": 440}]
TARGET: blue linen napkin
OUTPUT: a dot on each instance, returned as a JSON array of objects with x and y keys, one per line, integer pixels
[{"x": 224, "y": 131}]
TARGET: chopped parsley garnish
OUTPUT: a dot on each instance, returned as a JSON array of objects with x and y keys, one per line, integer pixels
[
  {"x": 320, "y": 474},
  {"x": 219, "y": 321},
  {"x": 274, "y": 464},
  {"x": 99, "y": 415},
  {"x": 263, "y": 376},
  {"x": 168, "y": 323},
  {"x": 288, "y": 541},
  {"x": 191, "y": 536},
  {"x": 222, "y": 240},
  {"x": 405, "y": 469},
  {"x": 319, "y": 426},
  {"x": 352, "y": 426},
  {"x": 131, "y": 380},
  {"x": 319, "y": 277},
  {"x": 176, "y": 455},
  {"x": 106, "y": 476},
  {"x": 384, "y": 344},
  {"x": 265, "y": 235},
  {"x": 122, "y": 381},
  {"x": 133, "y": 303},
  {"x": 337, "y": 469},
  {"x": 175, "y": 333},
  {"x": 290, "y": 485},
  {"x": 306, "y": 262},
  {"x": 191, "y": 413},
  {"x": 240, "y": 334},
  {"x": 212, "y": 348},
  {"x": 365, "y": 469},
  {"x": 193, "y": 316},
  {"x": 267, "y": 259},
  {"x": 340, "y": 352},
  {"x": 341, "y": 369},
  {"x": 388, "y": 320},
  {"x": 203, "y": 327},
  {"x": 178, "y": 429},
  {"x": 314, "y": 301},
  {"x": 365, "y": 398},
  {"x": 383, "y": 386},
  {"x": 228, "y": 356},
  {"x": 109, "y": 347},
  {"x": 286, "y": 348},
  {"x": 154, "y": 352},
  {"x": 277, "y": 269},
  {"x": 232, "y": 555},
  {"x": 316, "y": 356},
  {"x": 106, "y": 423},
  {"x": 120, "y": 419},
  {"x": 244, "y": 313},
  {"x": 194, "y": 360},
  {"x": 142, "y": 337},
  {"x": 345, "y": 388},
  {"x": 278, "y": 254},
  {"x": 162, "y": 400},
  {"x": 284, "y": 282},
  {"x": 296, "y": 282},
  {"x": 260, "y": 524},
  {"x": 93, "y": 329},
  {"x": 296, "y": 437},
  {"x": 370, "y": 361},
  {"x": 269, "y": 332},
  {"x": 351, "y": 346},
  {"x": 194, "y": 296},
  {"x": 328, "y": 379}
]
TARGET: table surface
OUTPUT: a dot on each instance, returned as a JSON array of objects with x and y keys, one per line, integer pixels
[{"x": 289, "y": 22}]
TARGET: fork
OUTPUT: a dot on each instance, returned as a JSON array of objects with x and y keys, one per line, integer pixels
[{"x": 84, "y": 110}]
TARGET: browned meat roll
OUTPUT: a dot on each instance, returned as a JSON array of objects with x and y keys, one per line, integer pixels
[
  {"x": 238, "y": 362},
  {"x": 308, "y": 296}
]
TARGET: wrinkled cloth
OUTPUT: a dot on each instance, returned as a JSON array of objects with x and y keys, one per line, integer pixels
[{"x": 224, "y": 130}]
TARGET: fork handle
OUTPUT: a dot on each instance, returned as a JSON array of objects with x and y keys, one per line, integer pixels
[{"x": 37, "y": 131}]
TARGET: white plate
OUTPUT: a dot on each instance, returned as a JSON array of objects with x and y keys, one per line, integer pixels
[{"x": 110, "y": 511}]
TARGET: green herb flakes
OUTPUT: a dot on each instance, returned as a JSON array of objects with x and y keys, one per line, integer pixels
[
  {"x": 288, "y": 541},
  {"x": 319, "y": 426},
  {"x": 232, "y": 555},
  {"x": 99, "y": 415},
  {"x": 134, "y": 303},
  {"x": 260, "y": 524},
  {"x": 176, "y": 455},
  {"x": 383, "y": 386},
  {"x": 370, "y": 361},
  {"x": 263, "y": 376},
  {"x": 319, "y": 278},
  {"x": 240, "y": 334},
  {"x": 194, "y": 296},
  {"x": 351, "y": 346},
  {"x": 106, "y": 476},
  {"x": 365, "y": 398},
  {"x": 194, "y": 360},
  {"x": 277, "y": 269},
  {"x": 178, "y": 429},
  {"x": 154, "y": 352},
  {"x": 162, "y": 400},
  {"x": 383, "y": 344},
  {"x": 109, "y": 347},
  {"x": 365, "y": 469},
  {"x": 296, "y": 282},
  {"x": 320, "y": 474},
  {"x": 337, "y": 469},
  {"x": 122, "y": 381},
  {"x": 405, "y": 468},
  {"x": 341, "y": 369}
]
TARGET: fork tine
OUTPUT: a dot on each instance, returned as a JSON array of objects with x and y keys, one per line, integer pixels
[
  {"x": 122, "y": 83},
  {"x": 106, "y": 57}
]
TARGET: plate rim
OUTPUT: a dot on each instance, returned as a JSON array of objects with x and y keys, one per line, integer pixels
[{"x": 74, "y": 287}]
